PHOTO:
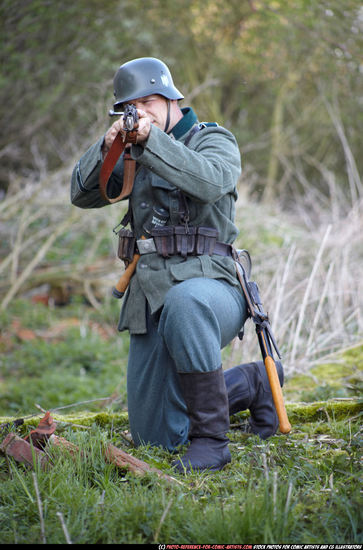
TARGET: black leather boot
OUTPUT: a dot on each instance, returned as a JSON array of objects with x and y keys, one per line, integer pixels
[
  {"x": 207, "y": 404},
  {"x": 248, "y": 387}
]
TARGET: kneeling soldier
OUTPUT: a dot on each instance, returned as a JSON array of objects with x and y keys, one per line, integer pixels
[{"x": 184, "y": 302}]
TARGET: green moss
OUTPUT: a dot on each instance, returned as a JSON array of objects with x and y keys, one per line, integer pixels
[
  {"x": 331, "y": 372},
  {"x": 340, "y": 377},
  {"x": 297, "y": 384},
  {"x": 324, "y": 410},
  {"x": 354, "y": 356},
  {"x": 298, "y": 413},
  {"x": 87, "y": 419}
]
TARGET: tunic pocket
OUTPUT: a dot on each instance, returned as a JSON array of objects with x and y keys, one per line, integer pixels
[{"x": 187, "y": 269}]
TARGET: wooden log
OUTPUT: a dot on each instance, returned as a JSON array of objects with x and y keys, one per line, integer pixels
[
  {"x": 22, "y": 451},
  {"x": 118, "y": 457},
  {"x": 63, "y": 443},
  {"x": 124, "y": 460}
]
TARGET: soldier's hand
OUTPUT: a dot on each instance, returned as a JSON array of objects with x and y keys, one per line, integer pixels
[
  {"x": 144, "y": 126},
  {"x": 111, "y": 134},
  {"x": 142, "y": 132}
]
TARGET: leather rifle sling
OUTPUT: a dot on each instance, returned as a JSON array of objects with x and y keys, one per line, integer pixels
[{"x": 116, "y": 150}]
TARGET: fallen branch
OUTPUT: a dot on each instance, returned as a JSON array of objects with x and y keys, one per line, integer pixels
[
  {"x": 63, "y": 443},
  {"x": 22, "y": 451},
  {"x": 129, "y": 462}
]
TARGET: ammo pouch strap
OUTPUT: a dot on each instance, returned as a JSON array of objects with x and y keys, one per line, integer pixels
[{"x": 185, "y": 239}]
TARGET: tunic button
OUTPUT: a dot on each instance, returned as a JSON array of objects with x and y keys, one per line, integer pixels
[
  {"x": 142, "y": 265},
  {"x": 144, "y": 205}
]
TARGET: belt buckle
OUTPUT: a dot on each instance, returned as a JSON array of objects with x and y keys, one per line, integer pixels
[{"x": 146, "y": 246}]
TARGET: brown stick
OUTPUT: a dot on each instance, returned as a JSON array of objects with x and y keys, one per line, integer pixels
[
  {"x": 58, "y": 441},
  {"x": 129, "y": 462},
  {"x": 124, "y": 280},
  {"x": 118, "y": 457}
]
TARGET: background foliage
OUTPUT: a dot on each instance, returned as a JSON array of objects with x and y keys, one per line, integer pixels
[{"x": 280, "y": 74}]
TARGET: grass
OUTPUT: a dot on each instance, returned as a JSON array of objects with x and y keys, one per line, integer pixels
[
  {"x": 300, "y": 488},
  {"x": 68, "y": 358}
]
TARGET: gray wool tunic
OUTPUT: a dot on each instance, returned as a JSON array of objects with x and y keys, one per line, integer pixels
[{"x": 206, "y": 171}]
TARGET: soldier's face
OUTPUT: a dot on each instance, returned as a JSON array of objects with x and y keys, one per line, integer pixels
[{"x": 155, "y": 106}]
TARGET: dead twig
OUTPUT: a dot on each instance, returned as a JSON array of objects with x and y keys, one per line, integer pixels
[
  {"x": 40, "y": 508},
  {"x": 162, "y": 519},
  {"x": 64, "y": 527}
]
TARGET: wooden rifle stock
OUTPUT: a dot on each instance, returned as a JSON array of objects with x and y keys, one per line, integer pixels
[{"x": 284, "y": 424}]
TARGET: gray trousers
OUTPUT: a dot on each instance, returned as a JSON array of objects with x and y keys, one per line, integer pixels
[{"x": 200, "y": 317}]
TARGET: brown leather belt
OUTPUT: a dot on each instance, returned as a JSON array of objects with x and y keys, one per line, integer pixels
[
  {"x": 223, "y": 249},
  {"x": 147, "y": 246}
]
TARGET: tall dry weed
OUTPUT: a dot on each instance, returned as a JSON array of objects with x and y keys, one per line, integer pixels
[{"x": 308, "y": 265}]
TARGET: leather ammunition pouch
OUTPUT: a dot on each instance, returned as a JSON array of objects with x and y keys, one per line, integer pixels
[
  {"x": 184, "y": 240},
  {"x": 126, "y": 245},
  {"x": 206, "y": 240},
  {"x": 164, "y": 240}
]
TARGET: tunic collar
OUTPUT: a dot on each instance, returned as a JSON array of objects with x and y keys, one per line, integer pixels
[{"x": 184, "y": 124}]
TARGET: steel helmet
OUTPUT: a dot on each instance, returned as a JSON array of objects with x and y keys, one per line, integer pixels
[{"x": 141, "y": 77}]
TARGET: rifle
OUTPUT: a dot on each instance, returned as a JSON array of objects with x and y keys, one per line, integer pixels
[
  {"x": 265, "y": 337},
  {"x": 129, "y": 115},
  {"x": 130, "y": 126}
]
